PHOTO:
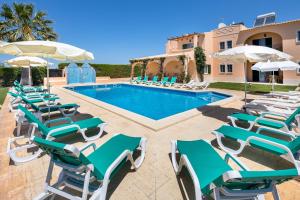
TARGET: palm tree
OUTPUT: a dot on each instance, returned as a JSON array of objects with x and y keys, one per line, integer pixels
[{"x": 21, "y": 22}]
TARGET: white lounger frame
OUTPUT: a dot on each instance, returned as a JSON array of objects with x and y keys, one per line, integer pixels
[
  {"x": 85, "y": 175},
  {"x": 289, "y": 156},
  {"x": 221, "y": 193},
  {"x": 263, "y": 115},
  {"x": 20, "y": 118}
]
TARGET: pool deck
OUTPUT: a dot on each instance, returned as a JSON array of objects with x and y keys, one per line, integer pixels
[{"x": 156, "y": 178}]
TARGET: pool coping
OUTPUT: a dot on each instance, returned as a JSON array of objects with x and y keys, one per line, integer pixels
[{"x": 155, "y": 125}]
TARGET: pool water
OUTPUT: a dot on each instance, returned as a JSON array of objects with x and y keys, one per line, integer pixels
[{"x": 154, "y": 103}]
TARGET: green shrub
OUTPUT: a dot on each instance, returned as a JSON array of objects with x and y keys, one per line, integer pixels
[
  {"x": 113, "y": 71},
  {"x": 38, "y": 74},
  {"x": 10, "y": 74},
  {"x": 252, "y": 88}
]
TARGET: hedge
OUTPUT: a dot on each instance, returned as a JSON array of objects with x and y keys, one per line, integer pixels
[
  {"x": 10, "y": 74},
  {"x": 113, "y": 71}
]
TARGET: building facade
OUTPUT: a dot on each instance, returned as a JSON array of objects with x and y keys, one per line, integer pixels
[{"x": 179, "y": 54}]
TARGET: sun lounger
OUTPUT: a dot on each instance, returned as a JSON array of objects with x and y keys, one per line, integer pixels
[
  {"x": 154, "y": 81},
  {"x": 270, "y": 120},
  {"x": 288, "y": 149},
  {"x": 16, "y": 99},
  {"x": 277, "y": 104},
  {"x": 66, "y": 110},
  {"x": 28, "y": 89},
  {"x": 89, "y": 174},
  {"x": 143, "y": 80},
  {"x": 257, "y": 109},
  {"x": 138, "y": 79},
  {"x": 49, "y": 133},
  {"x": 199, "y": 85},
  {"x": 163, "y": 81},
  {"x": 171, "y": 82},
  {"x": 186, "y": 85},
  {"x": 212, "y": 175}
]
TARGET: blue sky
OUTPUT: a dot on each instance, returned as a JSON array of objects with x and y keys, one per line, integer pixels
[{"x": 117, "y": 30}]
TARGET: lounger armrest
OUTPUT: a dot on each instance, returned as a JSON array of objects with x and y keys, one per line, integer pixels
[
  {"x": 236, "y": 160},
  {"x": 88, "y": 146},
  {"x": 263, "y": 114},
  {"x": 273, "y": 120},
  {"x": 67, "y": 119},
  {"x": 61, "y": 129},
  {"x": 289, "y": 153},
  {"x": 275, "y": 131}
]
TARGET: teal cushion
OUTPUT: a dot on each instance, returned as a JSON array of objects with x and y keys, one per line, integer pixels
[
  {"x": 206, "y": 162},
  {"x": 242, "y": 134},
  {"x": 106, "y": 154}
]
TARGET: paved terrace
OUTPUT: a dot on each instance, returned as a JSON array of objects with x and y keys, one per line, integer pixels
[{"x": 156, "y": 178}]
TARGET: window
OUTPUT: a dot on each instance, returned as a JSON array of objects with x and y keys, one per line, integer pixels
[
  {"x": 229, "y": 68},
  {"x": 187, "y": 46},
  {"x": 298, "y": 70},
  {"x": 222, "y": 45},
  {"x": 229, "y": 44},
  {"x": 207, "y": 69},
  {"x": 298, "y": 36},
  {"x": 226, "y": 68},
  {"x": 222, "y": 68}
]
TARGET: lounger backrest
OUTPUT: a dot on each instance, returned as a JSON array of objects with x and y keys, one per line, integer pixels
[
  {"x": 146, "y": 78},
  {"x": 32, "y": 119},
  {"x": 155, "y": 78},
  {"x": 165, "y": 79},
  {"x": 260, "y": 179},
  {"x": 67, "y": 154},
  {"x": 291, "y": 118},
  {"x": 173, "y": 79},
  {"x": 294, "y": 145}
]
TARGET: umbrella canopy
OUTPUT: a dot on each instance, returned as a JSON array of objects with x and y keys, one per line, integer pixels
[
  {"x": 46, "y": 49},
  {"x": 275, "y": 66},
  {"x": 251, "y": 53},
  {"x": 26, "y": 61}
]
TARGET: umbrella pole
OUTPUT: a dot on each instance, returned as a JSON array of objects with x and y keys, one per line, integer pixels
[
  {"x": 245, "y": 85},
  {"x": 273, "y": 81}
]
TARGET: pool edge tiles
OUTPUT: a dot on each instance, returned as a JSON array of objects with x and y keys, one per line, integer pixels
[{"x": 145, "y": 121}]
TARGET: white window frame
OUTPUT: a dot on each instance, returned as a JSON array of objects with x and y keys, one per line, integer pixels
[
  {"x": 227, "y": 44},
  {"x": 206, "y": 69},
  {"x": 297, "y": 39},
  {"x": 224, "y": 68},
  {"x": 231, "y": 68},
  {"x": 224, "y": 45}
]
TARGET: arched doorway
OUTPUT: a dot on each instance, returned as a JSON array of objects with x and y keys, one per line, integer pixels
[
  {"x": 173, "y": 68},
  {"x": 152, "y": 68}
]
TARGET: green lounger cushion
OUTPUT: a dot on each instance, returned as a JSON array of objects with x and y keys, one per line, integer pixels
[
  {"x": 208, "y": 165},
  {"x": 251, "y": 118},
  {"x": 101, "y": 158},
  {"x": 45, "y": 109},
  {"x": 106, "y": 154},
  {"x": 236, "y": 133},
  {"x": 87, "y": 123}
]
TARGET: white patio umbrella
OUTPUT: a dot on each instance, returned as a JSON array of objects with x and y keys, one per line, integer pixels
[
  {"x": 275, "y": 66},
  {"x": 251, "y": 53},
  {"x": 27, "y": 61},
  {"x": 46, "y": 49}
]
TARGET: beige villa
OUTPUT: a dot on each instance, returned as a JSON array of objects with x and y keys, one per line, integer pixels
[{"x": 283, "y": 36}]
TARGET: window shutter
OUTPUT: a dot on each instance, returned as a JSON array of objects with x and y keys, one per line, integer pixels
[{"x": 208, "y": 69}]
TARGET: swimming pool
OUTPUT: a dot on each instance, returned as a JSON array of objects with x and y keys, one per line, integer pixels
[{"x": 154, "y": 103}]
